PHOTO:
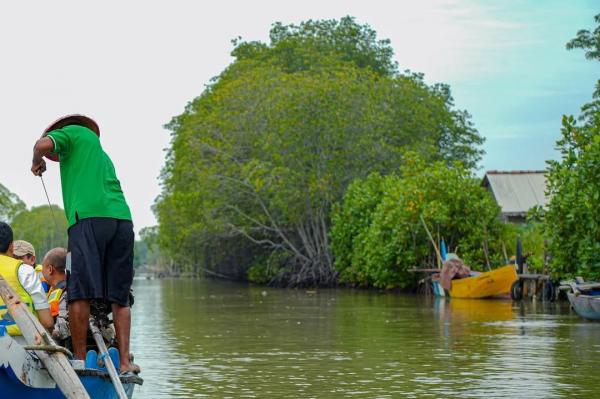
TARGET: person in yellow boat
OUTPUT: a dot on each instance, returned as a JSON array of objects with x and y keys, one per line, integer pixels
[
  {"x": 54, "y": 270},
  {"x": 25, "y": 251},
  {"x": 24, "y": 280}
]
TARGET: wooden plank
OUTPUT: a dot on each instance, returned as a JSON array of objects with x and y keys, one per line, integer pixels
[
  {"x": 534, "y": 277},
  {"x": 34, "y": 333},
  {"x": 580, "y": 287},
  {"x": 415, "y": 270},
  {"x": 588, "y": 286}
]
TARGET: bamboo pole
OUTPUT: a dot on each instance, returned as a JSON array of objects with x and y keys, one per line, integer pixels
[
  {"x": 437, "y": 251},
  {"x": 504, "y": 252},
  {"x": 34, "y": 333},
  {"x": 112, "y": 372}
]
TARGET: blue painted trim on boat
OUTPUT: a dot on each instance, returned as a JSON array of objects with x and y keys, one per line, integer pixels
[
  {"x": 97, "y": 387},
  {"x": 95, "y": 380}
]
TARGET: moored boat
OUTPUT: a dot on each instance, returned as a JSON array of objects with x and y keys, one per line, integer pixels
[
  {"x": 586, "y": 306},
  {"x": 494, "y": 283},
  {"x": 584, "y": 298},
  {"x": 23, "y": 376}
]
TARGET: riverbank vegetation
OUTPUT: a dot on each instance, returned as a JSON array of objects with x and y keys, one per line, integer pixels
[
  {"x": 312, "y": 160},
  {"x": 258, "y": 161},
  {"x": 573, "y": 218},
  {"x": 381, "y": 228}
]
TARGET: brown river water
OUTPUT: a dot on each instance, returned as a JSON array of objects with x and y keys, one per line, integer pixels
[{"x": 210, "y": 339}]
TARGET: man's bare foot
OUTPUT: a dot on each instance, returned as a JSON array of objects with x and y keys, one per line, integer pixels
[{"x": 130, "y": 368}]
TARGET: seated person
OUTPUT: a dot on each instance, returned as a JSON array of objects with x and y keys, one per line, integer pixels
[
  {"x": 24, "y": 281},
  {"x": 53, "y": 268},
  {"x": 24, "y": 251},
  {"x": 453, "y": 268}
]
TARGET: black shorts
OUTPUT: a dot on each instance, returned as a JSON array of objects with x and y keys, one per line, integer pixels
[{"x": 101, "y": 264}]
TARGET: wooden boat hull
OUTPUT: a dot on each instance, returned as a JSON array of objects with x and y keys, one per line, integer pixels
[
  {"x": 485, "y": 285},
  {"x": 22, "y": 376},
  {"x": 586, "y": 306}
]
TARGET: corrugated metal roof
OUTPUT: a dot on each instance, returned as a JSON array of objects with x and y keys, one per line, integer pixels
[{"x": 517, "y": 191}]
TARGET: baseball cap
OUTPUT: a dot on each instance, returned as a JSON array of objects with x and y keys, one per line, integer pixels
[{"x": 22, "y": 248}]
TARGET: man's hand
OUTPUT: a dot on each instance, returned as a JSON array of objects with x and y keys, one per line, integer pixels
[
  {"x": 38, "y": 167},
  {"x": 42, "y": 147}
]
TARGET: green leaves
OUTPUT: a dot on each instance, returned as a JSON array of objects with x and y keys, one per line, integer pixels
[
  {"x": 311, "y": 44},
  {"x": 377, "y": 235},
  {"x": 573, "y": 220},
  {"x": 10, "y": 204},
  {"x": 588, "y": 40},
  {"x": 43, "y": 227}
]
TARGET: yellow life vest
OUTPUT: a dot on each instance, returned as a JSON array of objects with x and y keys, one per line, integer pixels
[
  {"x": 54, "y": 300},
  {"x": 9, "y": 270}
]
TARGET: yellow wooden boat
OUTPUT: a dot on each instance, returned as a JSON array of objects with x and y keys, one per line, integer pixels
[{"x": 492, "y": 283}]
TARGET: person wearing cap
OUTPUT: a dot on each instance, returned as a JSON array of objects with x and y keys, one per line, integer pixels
[
  {"x": 24, "y": 251},
  {"x": 100, "y": 231},
  {"x": 53, "y": 268},
  {"x": 23, "y": 279}
]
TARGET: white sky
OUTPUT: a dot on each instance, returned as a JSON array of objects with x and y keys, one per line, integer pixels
[{"x": 132, "y": 65}]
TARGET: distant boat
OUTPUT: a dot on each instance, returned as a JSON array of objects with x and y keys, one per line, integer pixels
[
  {"x": 584, "y": 298},
  {"x": 22, "y": 375},
  {"x": 586, "y": 306},
  {"x": 484, "y": 285}
]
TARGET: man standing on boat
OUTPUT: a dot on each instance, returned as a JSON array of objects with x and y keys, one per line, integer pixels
[{"x": 100, "y": 258}]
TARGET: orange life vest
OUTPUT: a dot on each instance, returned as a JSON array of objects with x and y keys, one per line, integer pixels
[{"x": 54, "y": 296}]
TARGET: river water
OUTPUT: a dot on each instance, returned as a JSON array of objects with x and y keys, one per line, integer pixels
[{"x": 209, "y": 339}]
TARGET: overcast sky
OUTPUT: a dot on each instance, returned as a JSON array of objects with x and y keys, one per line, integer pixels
[{"x": 132, "y": 65}]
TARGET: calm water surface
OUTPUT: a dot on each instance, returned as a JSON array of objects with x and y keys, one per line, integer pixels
[{"x": 196, "y": 339}]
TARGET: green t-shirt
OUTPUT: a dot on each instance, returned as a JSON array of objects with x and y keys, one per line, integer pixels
[{"x": 89, "y": 183}]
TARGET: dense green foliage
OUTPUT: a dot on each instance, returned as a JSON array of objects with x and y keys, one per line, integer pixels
[
  {"x": 146, "y": 251},
  {"x": 43, "y": 227},
  {"x": 573, "y": 218},
  {"x": 257, "y": 161},
  {"x": 379, "y": 233},
  {"x": 140, "y": 253},
  {"x": 10, "y": 204}
]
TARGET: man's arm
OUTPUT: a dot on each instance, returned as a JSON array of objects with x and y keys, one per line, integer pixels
[
  {"x": 32, "y": 284},
  {"x": 42, "y": 147},
  {"x": 61, "y": 324},
  {"x": 45, "y": 317}
]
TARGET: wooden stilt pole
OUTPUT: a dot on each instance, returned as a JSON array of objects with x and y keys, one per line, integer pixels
[
  {"x": 435, "y": 247},
  {"x": 34, "y": 333},
  {"x": 112, "y": 371}
]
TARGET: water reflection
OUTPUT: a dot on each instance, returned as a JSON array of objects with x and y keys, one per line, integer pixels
[{"x": 211, "y": 339}]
